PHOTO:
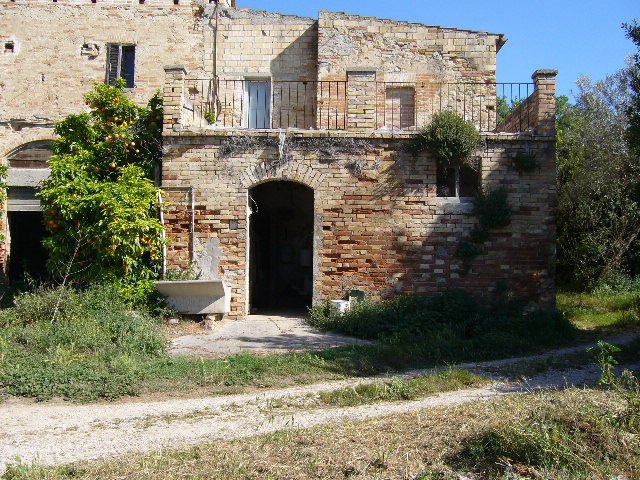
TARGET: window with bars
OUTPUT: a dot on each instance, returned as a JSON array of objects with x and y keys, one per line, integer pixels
[
  {"x": 121, "y": 59},
  {"x": 457, "y": 182}
]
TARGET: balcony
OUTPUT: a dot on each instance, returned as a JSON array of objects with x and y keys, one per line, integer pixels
[{"x": 362, "y": 106}]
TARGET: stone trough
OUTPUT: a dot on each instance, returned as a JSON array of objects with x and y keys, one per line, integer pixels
[{"x": 204, "y": 297}]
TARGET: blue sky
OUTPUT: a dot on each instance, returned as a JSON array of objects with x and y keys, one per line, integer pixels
[{"x": 574, "y": 37}]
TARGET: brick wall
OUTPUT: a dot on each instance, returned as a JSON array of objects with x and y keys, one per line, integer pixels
[{"x": 381, "y": 229}]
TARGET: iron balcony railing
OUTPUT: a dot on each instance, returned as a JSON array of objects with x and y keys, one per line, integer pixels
[{"x": 341, "y": 105}]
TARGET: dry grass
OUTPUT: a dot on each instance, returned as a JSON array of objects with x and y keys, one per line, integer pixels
[{"x": 419, "y": 445}]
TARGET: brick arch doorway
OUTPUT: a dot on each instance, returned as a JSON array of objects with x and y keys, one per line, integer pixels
[{"x": 281, "y": 231}]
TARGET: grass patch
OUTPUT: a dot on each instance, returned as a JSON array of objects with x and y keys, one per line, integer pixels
[
  {"x": 575, "y": 434},
  {"x": 566, "y": 439},
  {"x": 99, "y": 349},
  {"x": 403, "y": 389},
  {"x": 601, "y": 310},
  {"x": 629, "y": 354},
  {"x": 92, "y": 347}
]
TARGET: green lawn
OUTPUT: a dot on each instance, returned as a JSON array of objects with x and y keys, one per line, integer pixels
[{"x": 601, "y": 311}]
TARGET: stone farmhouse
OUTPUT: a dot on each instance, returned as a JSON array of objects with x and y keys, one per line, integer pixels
[{"x": 284, "y": 162}]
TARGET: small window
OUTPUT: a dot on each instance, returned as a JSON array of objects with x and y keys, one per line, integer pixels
[
  {"x": 400, "y": 107},
  {"x": 9, "y": 47},
  {"x": 457, "y": 182},
  {"x": 257, "y": 103},
  {"x": 121, "y": 63}
]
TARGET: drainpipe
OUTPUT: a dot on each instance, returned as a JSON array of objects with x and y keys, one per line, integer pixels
[
  {"x": 163, "y": 270},
  {"x": 215, "y": 43}
]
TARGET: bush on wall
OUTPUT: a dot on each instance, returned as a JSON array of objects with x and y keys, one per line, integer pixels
[{"x": 449, "y": 138}]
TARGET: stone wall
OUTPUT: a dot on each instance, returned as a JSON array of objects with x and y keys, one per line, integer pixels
[
  {"x": 262, "y": 44},
  {"x": 403, "y": 51},
  {"x": 49, "y": 70}
]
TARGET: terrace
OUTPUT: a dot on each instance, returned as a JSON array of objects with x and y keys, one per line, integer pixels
[{"x": 362, "y": 106}]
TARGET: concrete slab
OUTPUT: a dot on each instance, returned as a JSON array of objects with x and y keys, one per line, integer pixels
[{"x": 259, "y": 334}]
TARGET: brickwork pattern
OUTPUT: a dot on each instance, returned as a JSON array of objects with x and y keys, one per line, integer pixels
[
  {"x": 262, "y": 44},
  {"x": 385, "y": 230}
]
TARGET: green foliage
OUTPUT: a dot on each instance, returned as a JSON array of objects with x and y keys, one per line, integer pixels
[
  {"x": 598, "y": 185},
  {"x": 402, "y": 389},
  {"x": 448, "y": 318},
  {"x": 493, "y": 211},
  {"x": 93, "y": 349},
  {"x": 564, "y": 439},
  {"x": 100, "y": 204},
  {"x": 556, "y": 438},
  {"x": 504, "y": 108},
  {"x": 633, "y": 108},
  {"x": 525, "y": 162},
  {"x": 604, "y": 308},
  {"x": 606, "y": 361},
  {"x": 449, "y": 138}
]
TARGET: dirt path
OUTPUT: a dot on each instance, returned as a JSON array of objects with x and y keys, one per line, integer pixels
[{"x": 64, "y": 433}]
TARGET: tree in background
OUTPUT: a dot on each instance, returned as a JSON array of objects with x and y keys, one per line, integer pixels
[
  {"x": 100, "y": 203},
  {"x": 633, "y": 108},
  {"x": 598, "y": 182}
]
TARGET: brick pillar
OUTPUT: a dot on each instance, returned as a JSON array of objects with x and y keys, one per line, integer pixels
[
  {"x": 361, "y": 100},
  {"x": 545, "y": 101},
  {"x": 173, "y": 97}
]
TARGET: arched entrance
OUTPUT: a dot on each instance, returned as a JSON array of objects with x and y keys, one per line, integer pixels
[{"x": 280, "y": 246}]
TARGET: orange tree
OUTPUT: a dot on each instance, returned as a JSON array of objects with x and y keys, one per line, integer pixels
[{"x": 100, "y": 203}]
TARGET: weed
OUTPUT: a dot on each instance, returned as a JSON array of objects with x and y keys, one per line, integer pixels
[
  {"x": 451, "y": 317},
  {"x": 525, "y": 162}
]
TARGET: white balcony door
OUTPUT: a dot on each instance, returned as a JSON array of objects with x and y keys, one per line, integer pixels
[{"x": 257, "y": 103}]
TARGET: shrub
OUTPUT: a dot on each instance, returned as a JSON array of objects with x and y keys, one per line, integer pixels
[
  {"x": 100, "y": 203},
  {"x": 94, "y": 347},
  {"x": 492, "y": 209},
  {"x": 449, "y": 138},
  {"x": 452, "y": 315}
]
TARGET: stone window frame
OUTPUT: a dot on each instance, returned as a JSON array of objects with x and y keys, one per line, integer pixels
[
  {"x": 115, "y": 72},
  {"x": 466, "y": 182}
]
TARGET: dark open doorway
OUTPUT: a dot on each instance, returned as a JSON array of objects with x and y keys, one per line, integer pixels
[
  {"x": 26, "y": 253},
  {"x": 281, "y": 246}
]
